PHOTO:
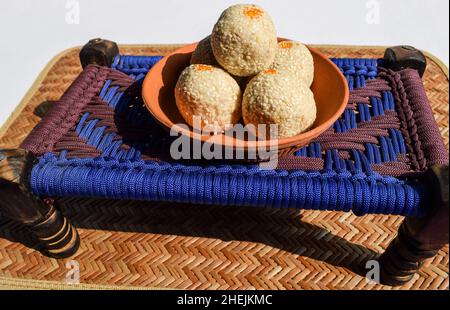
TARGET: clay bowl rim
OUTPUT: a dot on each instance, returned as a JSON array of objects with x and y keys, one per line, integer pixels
[{"x": 283, "y": 143}]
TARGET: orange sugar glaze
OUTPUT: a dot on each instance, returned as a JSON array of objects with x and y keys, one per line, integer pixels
[
  {"x": 253, "y": 12},
  {"x": 270, "y": 71},
  {"x": 203, "y": 68},
  {"x": 286, "y": 44}
]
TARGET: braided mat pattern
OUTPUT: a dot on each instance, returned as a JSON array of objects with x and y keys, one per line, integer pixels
[{"x": 174, "y": 246}]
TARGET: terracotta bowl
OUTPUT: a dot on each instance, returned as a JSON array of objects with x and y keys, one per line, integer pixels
[{"x": 329, "y": 87}]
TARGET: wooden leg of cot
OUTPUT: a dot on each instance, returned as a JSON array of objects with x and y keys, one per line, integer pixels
[
  {"x": 419, "y": 239},
  {"x": 56, "y": 236}
]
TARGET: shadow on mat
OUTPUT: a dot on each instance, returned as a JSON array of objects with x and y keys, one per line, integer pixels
[
  {"x": 42, "y": 109},
  {"x": 281, "y": 229},
  {"x": 16, "y": 232}
]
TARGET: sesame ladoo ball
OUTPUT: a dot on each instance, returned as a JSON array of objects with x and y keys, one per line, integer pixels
[
  {"x": 275, "y": 97},
  {"x": 244, "y": 40},
  {"x": 203, "y": 53},
  {"x": 210, "y": 93},
  {"x": 296, "y": 58}
]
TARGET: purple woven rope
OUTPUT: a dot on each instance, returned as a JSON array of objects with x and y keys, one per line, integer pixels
[
  {"x": 419, "y": 127},
  {"x": 65, "y": 113},
  {"x": 427, "y": 129}
]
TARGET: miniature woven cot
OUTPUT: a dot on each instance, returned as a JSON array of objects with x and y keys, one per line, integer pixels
[{"x": 100, "y": 141}]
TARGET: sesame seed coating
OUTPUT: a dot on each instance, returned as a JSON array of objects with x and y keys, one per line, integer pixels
[
  {"x": 275, "y": 97},
  {"x": 209, "y": 92},
  {"x": 203, "y": 53},
  {"x": 296, "y": 58},
  {"x": 244, "y": 40}
]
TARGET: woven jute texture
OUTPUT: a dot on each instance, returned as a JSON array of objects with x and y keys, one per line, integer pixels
[{"x": 140, "y": 244}]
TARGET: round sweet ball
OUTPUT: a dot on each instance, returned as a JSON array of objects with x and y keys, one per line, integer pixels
[
  {"x": 210, "y": 93},
  {"x": 275, "y": 97},
  {"x": 296, "y": 58},
  {"x": 203, "y": 53},
  {"x": 244, "y": 40}
]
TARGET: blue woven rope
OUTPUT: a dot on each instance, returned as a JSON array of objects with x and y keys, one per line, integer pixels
[
  {"x": 343, "y": 185},
  {"x": 134, "y": 65},
  {"x": 226, "y": 185},
  {"x": 357, "y": 71}
]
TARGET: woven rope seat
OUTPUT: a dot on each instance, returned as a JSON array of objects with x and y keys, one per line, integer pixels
[{"x": 100, "y": 141}]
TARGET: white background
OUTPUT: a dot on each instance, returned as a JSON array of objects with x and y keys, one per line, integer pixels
[{"x": 32, "y": 32}]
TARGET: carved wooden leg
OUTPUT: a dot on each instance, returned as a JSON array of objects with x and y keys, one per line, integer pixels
[
  {"x": 404, "y": 56},
  {"x": 98, "y": 51},
  {"x": 57, "y": 237},
  {"x": 419, "y": 239}
]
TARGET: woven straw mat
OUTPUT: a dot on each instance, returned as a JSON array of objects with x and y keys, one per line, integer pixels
[{"x": 145, "y": 245}]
